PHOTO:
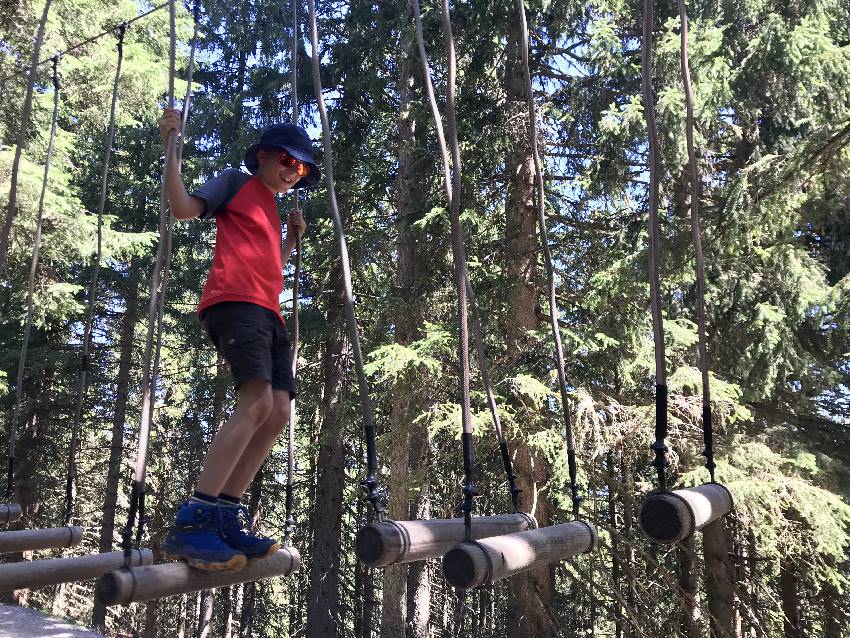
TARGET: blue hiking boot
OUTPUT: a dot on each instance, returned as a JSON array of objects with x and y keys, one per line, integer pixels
[
  {"x": 197, "y": 540},
  {"x": 234, "y": 521}
]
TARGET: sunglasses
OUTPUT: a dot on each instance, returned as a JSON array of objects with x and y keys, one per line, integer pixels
[{"x": 300, "y": 168}]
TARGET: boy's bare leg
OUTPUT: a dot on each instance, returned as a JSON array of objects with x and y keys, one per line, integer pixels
[
  {"x": 249, "y": 463},
  {"x": 255, "y": 402}
]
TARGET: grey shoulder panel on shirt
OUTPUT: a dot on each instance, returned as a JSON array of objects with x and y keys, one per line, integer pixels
[{"x": 218, "y": 191}]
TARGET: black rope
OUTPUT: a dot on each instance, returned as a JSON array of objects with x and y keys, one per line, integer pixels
[
  {"x": 699, "y": 264},
  {"x": 82, "y": 384},
  {"x": 371, "y": 480},
  {"x": 19, "y": 384},
  {"x": 289, "y": 524},
  {"x": 89, "y": 40},
  {"x": 550, "y": 271},
  {"x": 659, "y": 446}
]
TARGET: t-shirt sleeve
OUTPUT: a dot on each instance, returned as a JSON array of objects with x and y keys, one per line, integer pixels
[{"x": 218, "y": 191}]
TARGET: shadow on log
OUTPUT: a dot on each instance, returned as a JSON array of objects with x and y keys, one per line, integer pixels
[
  {"x": 391, "y": 542},
  {"x": 9, "y": 513},
  {"x": 124, "y": 586},
  {"x": 32, "y": 539},
  {"x": 42, "y": 573},
  {"x": 669, "y": 517},
  {"x": 477, "y": 563}
]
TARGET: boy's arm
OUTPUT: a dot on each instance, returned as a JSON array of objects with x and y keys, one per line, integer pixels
[
  {"x": 183, "y": 206},
  {"x": 294, "y": 224}
]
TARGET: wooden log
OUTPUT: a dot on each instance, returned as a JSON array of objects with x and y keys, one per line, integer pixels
[
  {"x": 42, "y": 573},
  {"x": 669, "y": 517},
  {"x": 124, "y": 586},
  {"x": 391, "y": 542},
  {"x": 31, "y": 539},
  {"x": 9, "y": 513},
  {"x": 477, "y": 563}
]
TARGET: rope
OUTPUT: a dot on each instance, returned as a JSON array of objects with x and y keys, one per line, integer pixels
[
  {"x": 473, "y": 303},
  {"x": 23, "y": 131},
  {"x": 289, "y": 525},
  {"x": 88, "y": 40},
  {"x": 13, "y": 428},
  {"x": 91, "y": 301},
  {"x": 461, "y": 275},
  {"x": 707, "y": 433},
  {"x": 547, "y": 255},
  {"x": 371, "y": 480},
  {"x": 137, "y": 491},
  {"x": 659, "y": 447}
]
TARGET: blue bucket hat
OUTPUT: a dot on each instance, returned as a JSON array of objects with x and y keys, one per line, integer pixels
[{"x": 295, "y": 141}]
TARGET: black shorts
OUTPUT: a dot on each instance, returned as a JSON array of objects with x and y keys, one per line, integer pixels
[{"x": 253, "y": 341}]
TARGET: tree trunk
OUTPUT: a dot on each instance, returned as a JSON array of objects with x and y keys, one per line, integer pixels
[
  {"x": 690, "y": 612},
  {"x": 788, "y": 592},
  {"x": 719, "y": 579},
  {"x": 323, "y": 611},
  {"x": 530, "y": 598},
  {"x": 616, "y": 611},
  {"x": 628, "y": 517},
  {"x": 205, "y": 622},
  {"x": 246, "y": 613},
  {"x": 23, "y": 132},
  {"x": 116, "y": 446},
  {"x": 227, "y": 611}
]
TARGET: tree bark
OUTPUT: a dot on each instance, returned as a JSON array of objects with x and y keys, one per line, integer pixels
[
  {"x": 205, "y": 622},
  {"x": 616, "y": 611},
  {"x": 23, "y": 132},
  {"x": 530, "y": 594},
  {"x": 719, "y": 579},
  {"x": 249, "y": 596},
  {"x": 323, "y": 611},
  {"x": 119, "y": 418},
  {"x": 789, "y": 594},
  {"x": 690, "y": 612}
]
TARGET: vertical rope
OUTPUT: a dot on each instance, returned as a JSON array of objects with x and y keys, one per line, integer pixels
[
  {"x": 513, "y": 490},
  {"x": 659, "y": 446},
  {"x": 137, "y": 493},
  {"x": 547, "y": 255},
  {"x": 708, "y": 437},
  {"x": 91, "y": 300},
  {"x": 371, "y": 480},
  {"x": 23, "y": 132},
  {"x": 19, "y": 384},
  {"x": 459, "y": 258},
  {"x": 294, "y": 325}
]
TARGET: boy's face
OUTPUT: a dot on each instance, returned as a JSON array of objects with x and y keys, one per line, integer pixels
[{"x": 277, "y": 177}]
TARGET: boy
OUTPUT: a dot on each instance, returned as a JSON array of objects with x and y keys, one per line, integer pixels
[{"x": 240, "y": 311}]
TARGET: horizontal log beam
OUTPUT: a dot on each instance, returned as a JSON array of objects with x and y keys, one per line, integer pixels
[
  {"x": 124, "y": 586},
  {"x": 43, "y": 573},
  {"x": 9, "y": 513},
  {"x": 477, "y": 563},
  {"x": 392, "y": 542},
  {"x": 31, "y": 539},
  {"x": 669, "y": 517}
]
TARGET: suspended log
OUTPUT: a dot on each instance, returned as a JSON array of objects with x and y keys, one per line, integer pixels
[
  {"x": 32, "y": 539},
  {"x": 477, "y": 563},
  {"x": 9, "y": 513},
  {"x": 669, "y": 517},
  {"x": 43, "y": 573},
  {"x": 124, "y": 586},
  {"x": 391, "y": 542}
]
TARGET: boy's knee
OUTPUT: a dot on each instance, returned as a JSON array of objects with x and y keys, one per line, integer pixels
[
  {"x": 255, "y": 397},
  {"x": 282, "y": 408}
]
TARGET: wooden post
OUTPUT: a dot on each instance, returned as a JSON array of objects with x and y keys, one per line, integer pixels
[
  {"x": 9, "y": 513},
  {"x": 669, "y": 517},
  {"x": 32, "y": 539},
  {"x": 124, "y": 586},
  {"x": 477, "y": 563},
  {"x": 42, "y": 573},
  {"x": 391, "y": 542}
]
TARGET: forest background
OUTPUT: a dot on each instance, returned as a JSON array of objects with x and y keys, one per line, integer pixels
[{"x": 772, "y": 83}]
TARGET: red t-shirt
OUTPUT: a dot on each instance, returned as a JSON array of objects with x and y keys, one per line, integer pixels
[{"x": 247, "y": 262}]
